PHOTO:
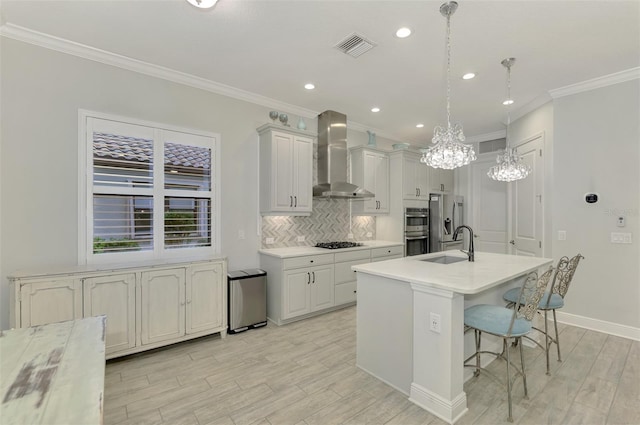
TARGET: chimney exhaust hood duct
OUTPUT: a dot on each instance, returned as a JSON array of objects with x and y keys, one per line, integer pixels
[{"x": 332, "y": 160}]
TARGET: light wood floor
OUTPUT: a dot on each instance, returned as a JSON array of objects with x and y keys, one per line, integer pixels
[{"x": 304, "y": 373}]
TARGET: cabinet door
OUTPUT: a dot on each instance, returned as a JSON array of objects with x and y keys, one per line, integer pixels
[
  {"x": 369, "y": 181},
  {"x": 282, "y": 174},
  {"x": 410, "y": 177},
  {"x": 162, "y": 305},
  {"x": 422, "y": 178},
  {"x": 50, "y": 301},
  {"x": 296, "y": 293},
  {"x": 322, "y": 288},
  {"x": 440, "y": 180},
  {"x": 382, "y": 183},
  {"x": 205, "y": 298},
  {"x": 302, "y": 173},
  {"x": 113, "y": 296}
]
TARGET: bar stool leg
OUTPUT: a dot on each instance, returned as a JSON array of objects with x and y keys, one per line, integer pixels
[
  {"x": 510, "y": 418},
  {"x": 555, "y": 324},
  {"x": 524, "y": 375},
  {"x": 547, "y": 343}
]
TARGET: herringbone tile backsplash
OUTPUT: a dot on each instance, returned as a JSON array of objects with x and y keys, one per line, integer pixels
[{"x": 329, "y": 221}]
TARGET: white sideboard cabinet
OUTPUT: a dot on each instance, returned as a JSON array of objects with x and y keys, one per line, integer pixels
[
  {"x": 286, "y": 170},
  {"x": 147, "y": 306}
]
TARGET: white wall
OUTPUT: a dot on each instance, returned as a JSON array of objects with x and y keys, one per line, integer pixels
[
  {"x": 597, "y": 149},
  {"x": 42, "y": 91}
]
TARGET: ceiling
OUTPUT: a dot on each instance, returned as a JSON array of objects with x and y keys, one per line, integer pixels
[{"x": 272, "y": 48}]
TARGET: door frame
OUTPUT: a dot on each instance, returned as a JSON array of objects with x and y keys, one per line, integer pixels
[{"x": 542, "y": 168}]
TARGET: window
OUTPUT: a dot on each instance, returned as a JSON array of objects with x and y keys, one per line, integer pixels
[{"x": 147, "y": 191}]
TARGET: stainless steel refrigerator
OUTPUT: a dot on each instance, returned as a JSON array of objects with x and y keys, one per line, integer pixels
[{"x": 447, "y": 212}]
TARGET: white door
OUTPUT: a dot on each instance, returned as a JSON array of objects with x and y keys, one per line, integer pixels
[
  {"x": 162, "y": 305},
  {"x": 382, "y": 183},
  {"x": 302, "y": 172},
  {"x": 282, "y": 172},
  {"x": 370, "y": 164},
  {"x": 205, "y": 297},
  {"x": 322, "y": 288},
  {"x": 527, "y": 199},
  {"x": 410, "y": 177},
  {"x": 296, "y": 293},
  {"x": 115, "y": 297},
  {"x": 489, "y": 208}
]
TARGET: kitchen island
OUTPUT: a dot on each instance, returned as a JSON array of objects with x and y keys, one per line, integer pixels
[{"x": 410, "y": 320}]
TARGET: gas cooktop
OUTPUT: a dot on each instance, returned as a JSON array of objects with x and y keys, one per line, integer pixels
[{"x": 337, "y": 245}]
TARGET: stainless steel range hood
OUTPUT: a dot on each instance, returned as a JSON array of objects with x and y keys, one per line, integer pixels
[{"x": 332, "y": 160}]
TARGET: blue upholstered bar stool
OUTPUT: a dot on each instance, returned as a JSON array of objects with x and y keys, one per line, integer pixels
[
  {"x": 552, "y": 300},
  {"x": 507, "y": 323}
]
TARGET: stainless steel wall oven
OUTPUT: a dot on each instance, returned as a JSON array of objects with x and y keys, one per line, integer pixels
[{"x": 416, "y": 231}]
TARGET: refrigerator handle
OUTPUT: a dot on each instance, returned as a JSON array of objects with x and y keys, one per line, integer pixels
[{"x": 453, "y": 213}]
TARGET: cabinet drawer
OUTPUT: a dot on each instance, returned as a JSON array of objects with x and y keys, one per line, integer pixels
[
  {"x": 388, "y": 251},
  {"x": 344, "y": 272},
  {"x": 307, "y": 260},
  {"x": 345, "y": 293},
  {"x": 362, "y": 254}
]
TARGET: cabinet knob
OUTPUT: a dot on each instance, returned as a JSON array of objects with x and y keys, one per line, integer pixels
[{"x": 311, "y": 261}]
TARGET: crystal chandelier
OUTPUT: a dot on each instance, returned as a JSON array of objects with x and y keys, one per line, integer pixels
[
  {"x": 510, "y": 166},
  {"x": 449, "y": 151}
]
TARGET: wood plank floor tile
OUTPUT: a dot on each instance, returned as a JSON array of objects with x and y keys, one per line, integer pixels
[
  {"x": 580, "y": 414},
  {"x": 296, "y": 412},
  {"x": 342, "y": 410},
  {"x": 304, "y": 373},
  {"x": 596, "y": 393}
]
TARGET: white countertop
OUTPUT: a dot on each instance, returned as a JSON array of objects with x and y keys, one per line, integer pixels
[
  {"x": 463, "y": 277},
  {"x": 297, "y": 251}
]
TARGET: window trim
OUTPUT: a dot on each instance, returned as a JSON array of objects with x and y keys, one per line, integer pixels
[{"x": 85, "y": 195}]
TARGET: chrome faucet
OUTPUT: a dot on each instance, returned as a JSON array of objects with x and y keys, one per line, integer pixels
[{"x": 470, "y": 253}]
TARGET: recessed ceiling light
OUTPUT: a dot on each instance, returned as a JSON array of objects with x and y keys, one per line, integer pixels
[
  {"x": 203, "y": 4},
  {"x": 468, "y": 76},
  {"x": 419, "y": 125},
  {"x": 376, "y": 109},
  {"x": 508, "y": 102},
  {"x": 309, "y": 86},
  {"x": 403, "y": 32}
]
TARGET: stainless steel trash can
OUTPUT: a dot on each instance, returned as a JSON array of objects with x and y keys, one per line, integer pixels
[{"x": 247, "y": 307}]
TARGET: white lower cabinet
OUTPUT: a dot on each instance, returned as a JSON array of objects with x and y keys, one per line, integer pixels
[
  {"x": 345, "y": 278},
  {"x": 307, "y": 290},
  {"x": 162, "y": 312},
  {"x": 48, "y": 300},
  {"x": 115, "y": 297},
  {"x": 205, "y": 283},
  {"x": 306, "y": 285},
  {"x": 146, "y": 307}
]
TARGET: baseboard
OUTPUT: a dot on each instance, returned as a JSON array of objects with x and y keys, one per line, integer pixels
[
  {"x": 610, "y": 328},
  {"x": 447, "y": 410}
]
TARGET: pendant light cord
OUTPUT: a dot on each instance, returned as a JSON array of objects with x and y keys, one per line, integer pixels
[
  {"x": 509, "y": 105},
  {"x": 448, "y": 69}
]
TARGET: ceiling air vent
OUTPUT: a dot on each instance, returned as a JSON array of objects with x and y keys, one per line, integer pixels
[
  {"x": 492, "y": 145},
  {"x": 355, "y": 45}
]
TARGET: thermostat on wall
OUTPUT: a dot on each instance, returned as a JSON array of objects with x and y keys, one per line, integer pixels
[{"x": 591, "y": 198}]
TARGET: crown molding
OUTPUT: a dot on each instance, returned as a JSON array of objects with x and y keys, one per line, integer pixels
[
  {"x": 596, "y": 83},
  {"x": 26, "y": 35}
]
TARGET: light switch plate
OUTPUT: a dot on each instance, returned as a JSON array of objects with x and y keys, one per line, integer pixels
[
  {"x": 621, "y": 238},
  {"x": 269, "y": 241},
  {"x": 562, "y": 235},
  {"x": 301, "y": 238}
]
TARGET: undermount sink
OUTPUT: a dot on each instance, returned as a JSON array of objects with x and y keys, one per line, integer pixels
[{"x": 445, "y": 259}]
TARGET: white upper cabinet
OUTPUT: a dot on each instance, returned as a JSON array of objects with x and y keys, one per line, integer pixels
[
  {"x": 440, "y": 180},
  {"x": 286, "y": 170},
  {"x": 370, "y": 170},
  {"x": 414, "y": 177}
]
